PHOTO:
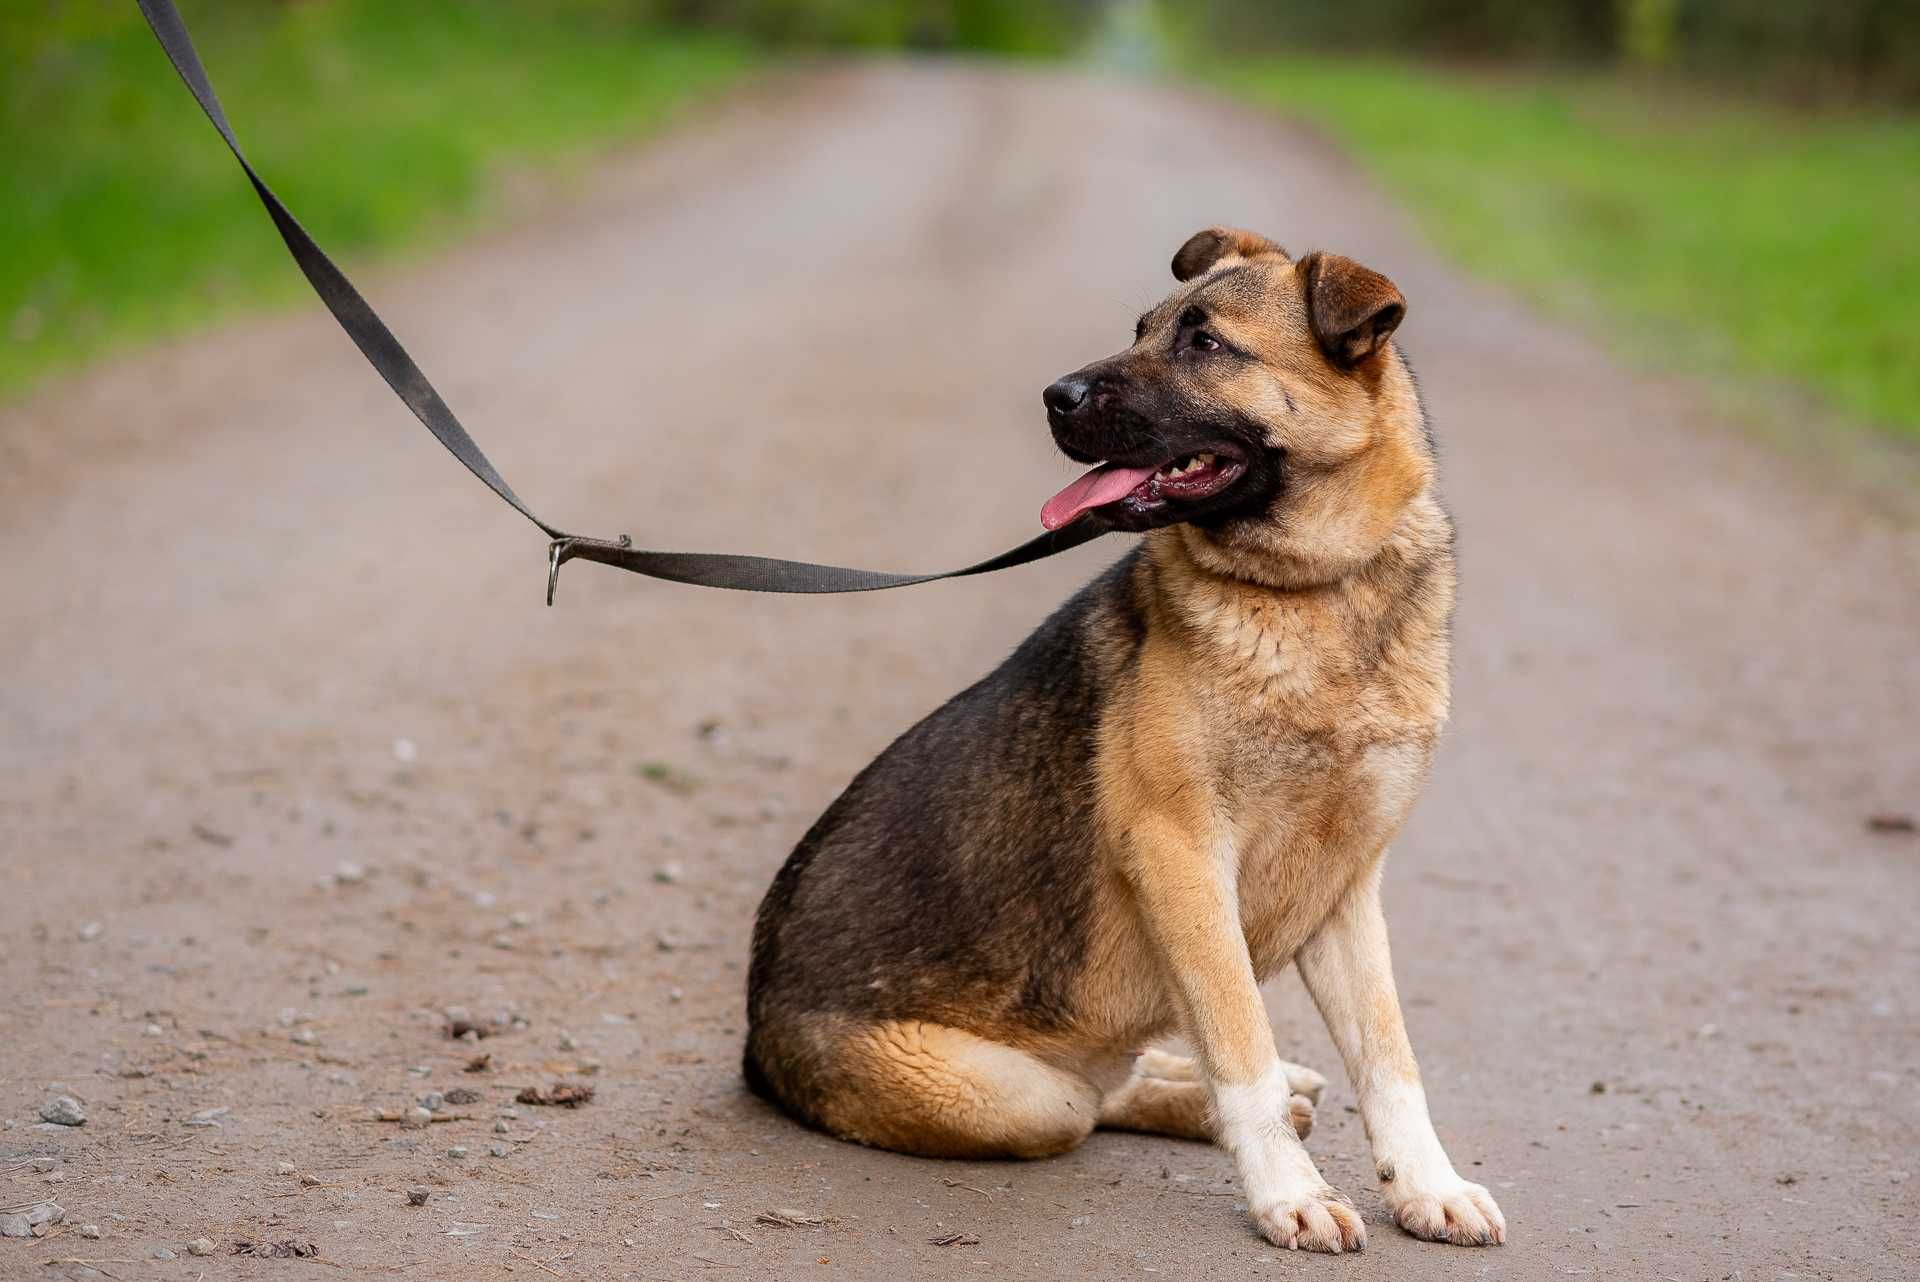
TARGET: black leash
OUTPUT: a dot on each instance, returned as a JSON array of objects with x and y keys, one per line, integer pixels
[{"x": 383, "y": 351}]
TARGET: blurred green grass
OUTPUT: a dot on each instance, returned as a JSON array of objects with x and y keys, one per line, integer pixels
[
  {"x": 382, "y": 125},
  {"x": 1735, "y": 238}
]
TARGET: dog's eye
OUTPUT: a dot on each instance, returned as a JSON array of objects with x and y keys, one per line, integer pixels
[{"x": 1205, "y": 342}]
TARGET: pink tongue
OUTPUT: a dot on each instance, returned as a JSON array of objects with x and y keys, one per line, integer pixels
[{"x": 1106, "y": 484}]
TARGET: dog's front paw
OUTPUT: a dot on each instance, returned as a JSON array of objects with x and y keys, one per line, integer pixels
[
  {"x": 1323, "y": 1221},
  {"x": 1447, "y": 1211}
]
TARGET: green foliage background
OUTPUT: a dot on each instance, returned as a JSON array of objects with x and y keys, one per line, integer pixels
[
  {"x": 384, "y": 123},
  {"x": 1723, "y": 185}
]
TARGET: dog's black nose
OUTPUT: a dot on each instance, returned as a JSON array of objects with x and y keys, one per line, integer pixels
[{"x": 1068, "y": 394}]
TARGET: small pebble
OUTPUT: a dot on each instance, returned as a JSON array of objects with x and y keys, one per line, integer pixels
[
  {"x": 520, "y": 920},
  {"x": 457, "y": 1152},
  {"x": 501, "y": 1128},
  {"x": 418, "y": 1195},
  {"x": 433, "y": 1101},
  {"x": 567, "y": 1043},
  {"x": 200, "y": 1246},
  {"x": 501, "y": 1150},
  {"x": 405, "y": 751},
  {"x": 669, "y": 873},
  {"x": 285, "y": 1168},
  {"x": 15, "y": 1226},
  {"x": 58, "y": 1177},
  {"x": 676, "y": 995},
  {"x": 45, "y": 1164},
  {"x": 417, "y": 1117},
  {"x": 1079, "y": 1222},
  {"x": 503, "y": 942},
  {"x": 348, "y": 873},
  {"x": 90, "y": 1231},
  {"x": 161, "y": 1253},
  {"x": 90, "y": 931},
  {"x": 64, "y": 1110},
  {"x": 153, "y": 1030}
]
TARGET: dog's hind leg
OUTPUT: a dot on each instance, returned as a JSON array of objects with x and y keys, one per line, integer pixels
[
  {"x": 938, "y": 1091},
  {"x": 1158, "y": 1106}
]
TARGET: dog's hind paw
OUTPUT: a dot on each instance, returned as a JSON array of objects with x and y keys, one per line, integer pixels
[
  {"x": 1182, "y": 1068},
  {"x": 1303, "y": 1081},
  {"x": 1300, "y": 1109},
  {"x": 1166, "y": 1066}
]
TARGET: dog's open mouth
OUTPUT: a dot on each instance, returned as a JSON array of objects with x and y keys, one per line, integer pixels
[{"x": 1190, "y": 477}]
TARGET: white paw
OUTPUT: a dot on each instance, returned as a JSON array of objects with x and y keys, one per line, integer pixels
[
  {"x": 1322, "y": 1222},
  {"x": 1457, "y": 1212},
  {"x": 1166, "y": 1066},
  {"x": 1303, "y": 1081}
]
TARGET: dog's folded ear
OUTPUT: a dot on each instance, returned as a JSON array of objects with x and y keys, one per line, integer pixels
[
  {"x": 1352, "y": 308},
  {"x": 1207, "y": 249}
]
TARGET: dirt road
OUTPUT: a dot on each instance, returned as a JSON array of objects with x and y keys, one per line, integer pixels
[{"x": 292, "y": 760}]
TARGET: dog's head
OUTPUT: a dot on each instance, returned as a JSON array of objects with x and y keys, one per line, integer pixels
[{"x": 1250, "y": 388}]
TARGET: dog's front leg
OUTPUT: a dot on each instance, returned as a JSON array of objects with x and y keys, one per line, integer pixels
[
  {"x": 1187, "y": 894},
  {"x": 1348, "y": 969}
]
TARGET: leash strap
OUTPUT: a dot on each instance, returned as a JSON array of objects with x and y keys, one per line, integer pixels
[{"x": 384, "y": 352}]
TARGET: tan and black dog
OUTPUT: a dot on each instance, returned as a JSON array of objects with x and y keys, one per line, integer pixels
[{"x": 1182, "y": 781}]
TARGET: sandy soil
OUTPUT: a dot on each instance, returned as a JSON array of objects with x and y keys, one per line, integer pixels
[{"x": 259, "y": 633}]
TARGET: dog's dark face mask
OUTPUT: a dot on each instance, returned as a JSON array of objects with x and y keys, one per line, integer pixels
[{"x": 1226, "y": 380}]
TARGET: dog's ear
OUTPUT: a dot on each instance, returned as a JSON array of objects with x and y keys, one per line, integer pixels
[
  {"x": 1353, "y": 309},
  {"x": 1207, "y": 249}
]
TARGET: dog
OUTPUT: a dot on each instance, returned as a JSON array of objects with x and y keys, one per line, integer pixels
[{"x": 1182, "y": 781}]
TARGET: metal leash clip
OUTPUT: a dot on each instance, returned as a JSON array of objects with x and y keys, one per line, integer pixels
[
  {"x": 560, "y": 551},
  {"x": 553, "y": 565}
]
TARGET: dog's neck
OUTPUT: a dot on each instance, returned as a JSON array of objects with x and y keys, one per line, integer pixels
[
  {"x": 1403, "y": 575},
  {"x": 1384, "y": 621},
  {"x": 1316, "y": 558}
]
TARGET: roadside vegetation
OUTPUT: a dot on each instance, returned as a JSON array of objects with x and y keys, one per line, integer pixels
[
  {"x": 381, "y": 124},
  {"x": 1721, "y": 186},
  {"x": 1736, "y": 238},
  {"x": 386, "y": 124}
]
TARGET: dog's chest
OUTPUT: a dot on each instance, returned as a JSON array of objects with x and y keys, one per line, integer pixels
[{"x": 1320, "y": 746}]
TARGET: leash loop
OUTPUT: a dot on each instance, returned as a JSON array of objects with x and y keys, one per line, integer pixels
[{"x": 391, "y": 361}]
